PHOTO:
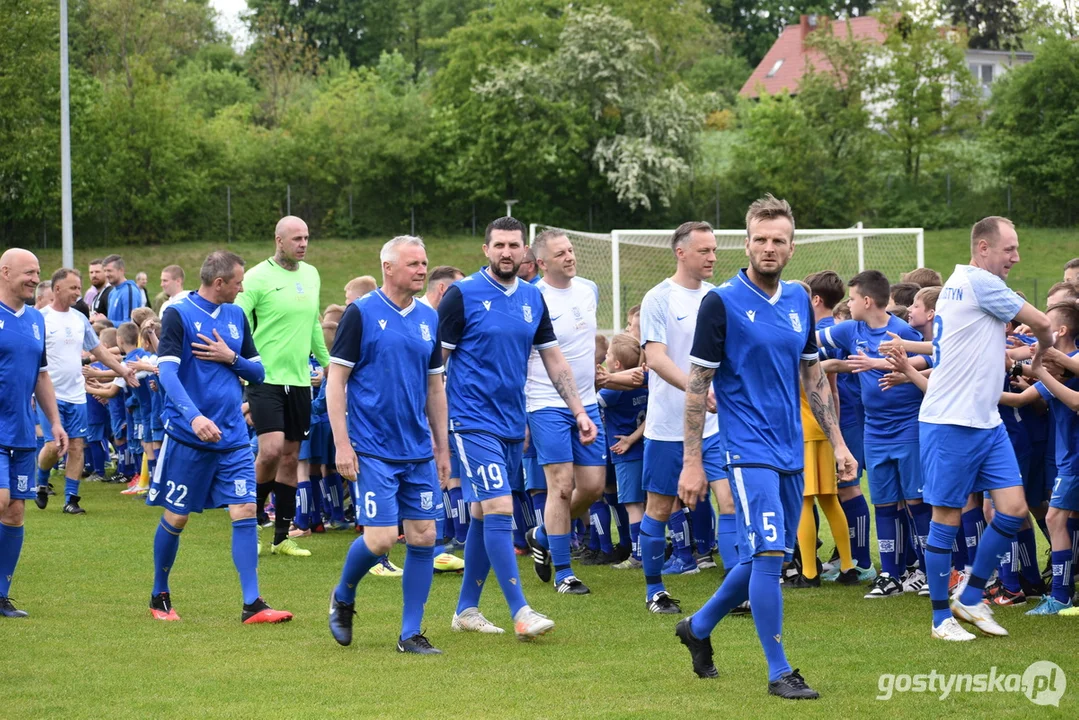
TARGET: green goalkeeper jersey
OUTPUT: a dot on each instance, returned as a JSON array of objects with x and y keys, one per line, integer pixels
[{"x": 282, "y": 307}]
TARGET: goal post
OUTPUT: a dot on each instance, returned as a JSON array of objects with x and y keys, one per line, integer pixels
[{"x": 625, "y": 264}]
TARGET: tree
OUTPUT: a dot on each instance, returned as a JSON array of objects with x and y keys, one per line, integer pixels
[
  {"x": 282, "y": 61},
  {"x": 991, "y": 24}
]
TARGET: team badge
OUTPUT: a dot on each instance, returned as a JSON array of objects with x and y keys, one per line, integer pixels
[
  {"x": 67, "y": 332},
  {"x": 24, "y": 480},
  {"x": 796, "y": 322},
  {"x": 577, "y": 313},
  {"x": 234, "y": 331},
  {"x": 37, "y": 332},
  {"x": 299, "y": 288},
  {"x": 153, "y": 494},
  {"x": 526, "y": 309},
  {"x": 425, "y": 332},
  {"x": 427, "y": 500},
  {"x": 240, "y": 486}
]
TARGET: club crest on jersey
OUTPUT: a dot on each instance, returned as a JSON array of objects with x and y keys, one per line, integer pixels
[
  {"x": 425, "y": 332},
  {"x": 240, "y": 486},
  {"x": 67, "y": 332},
  {"x": 234, "y": 331},
  {"x": 427, "y": 500},
  {"x": 577, "y": 313},
  {"x": 37, "y": 332},
  {"x": 527, "y": 310},
  {"x": 796, "y": 322},
  {"x": 299, "y": 288}
]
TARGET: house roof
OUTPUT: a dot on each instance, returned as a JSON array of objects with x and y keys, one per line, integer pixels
[{"x": 788, "y": 59}]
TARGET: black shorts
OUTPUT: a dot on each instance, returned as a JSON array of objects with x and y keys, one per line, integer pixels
[{"x": 281, "y": 408}]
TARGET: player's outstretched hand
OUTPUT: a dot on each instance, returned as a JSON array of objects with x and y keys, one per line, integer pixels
[
  {"x": 586, "y": 428},
  {"x": 692, "y": 485},
  {"x": 602, "y": 377},
  {"x": 130, "y": 377},
  {"x": 215, "y": 350},
  {"x": 442, "y": 465},
  {"x": 347, "y": 464},
  {"x": 205, "y": 429},
  {"x": 845, "y": 464},
  {"x": 60, "y": 437},
  {"x": 862, "y": 362},
  {"x": 893, "y": 343},
  {"x": 622, "y": 446}
]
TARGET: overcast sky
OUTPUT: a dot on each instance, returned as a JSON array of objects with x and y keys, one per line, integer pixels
[{"x": 229, "y": 19}]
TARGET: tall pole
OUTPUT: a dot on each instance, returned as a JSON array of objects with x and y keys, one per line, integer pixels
[{"x": 68, "y": 254}]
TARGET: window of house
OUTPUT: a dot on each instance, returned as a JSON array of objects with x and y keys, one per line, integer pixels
[{"x": 775, "y": 68}]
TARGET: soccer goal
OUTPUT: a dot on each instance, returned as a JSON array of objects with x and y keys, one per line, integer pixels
[{"x": 625, "y": 264}]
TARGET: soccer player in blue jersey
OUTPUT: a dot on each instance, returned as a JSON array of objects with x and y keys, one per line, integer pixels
[
  {"x": 23, "y": 373},
  {"x": 755, "y": 335},
  {"x": 386, "y": 372},
  {"x": 893, "y": 461},
  {"x": 205, "y": 461},
  {"x": 489, "y": 323}
]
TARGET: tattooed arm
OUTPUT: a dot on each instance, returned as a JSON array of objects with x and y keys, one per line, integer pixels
[
  {"x": 822, "y": 403},
  {"x": 692, "y": 484},
  {"x": 554, "y": 362}
]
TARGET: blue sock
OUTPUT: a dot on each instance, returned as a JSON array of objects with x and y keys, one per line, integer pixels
[
  {"x": 11, "y": 537},
  {"x": 519, "y": 526},
  {"x": 1062, "y": 575},
  {"x": 526, "y": 510},
  {"x": 652, "y": 547},
  {"x": 357, "y": 562},
  {"x": 303, "y": 505},
  {"x": 477, "y": 567},
  {"x": 1073, "y": 530},
  {"x": 920, "y": 515},
  {"x": 600, "y": 514},
  {"x": 245, "y": 556},
  {"x": 354, "y": 493},
  {"x": 1028, "y": 555},
  {"x": 559, "y": 547},
  {"x": 728, "y": 541},
  {"x": 959, "y": 553},
  {"x": 335, "y": 495},
  {"x": 621, "y": 519},
  {"x": 318, "y": 502},
  {"x": 766, "y": 598},
  {"x": 97, "y": 458},
  {"x": 43, "y": 477},
  {"x": 1008, "y": 568},
  {"x": 539, "y": 506},
  {"x": 635, "y": 538},
  {"x": 541, "y": 537},
  {"x": 679, "y": 527},
  {"x": 440, "y": 530},
  {"x": 906, "y": 527},
  {"x": 938, "y": 563},
  {"x": 888, "y": 539},
  {"x": 461, "y": 519},
  {"x": 731, "y": 593},
  {"x": 166, "y": 543},
  {"x": 71, "y": 487},
  {"x": 415, "y": 587},
  {"x": 498, "y": 539},
  {"x": 702, "y": 522},
  {"x": 448, "y": 525},
  {"x": 995, "y": 542},
  {"x": 593, "y": 534},
  {"x": 973, "y": 522}
]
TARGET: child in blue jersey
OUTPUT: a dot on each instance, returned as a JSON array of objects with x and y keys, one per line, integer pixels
[
  {"x": 139, "y": 403},
  {"x": 309, "y": 469},
  {"x": 97, "y": 415},
  {"x": 893, "y": 461}
]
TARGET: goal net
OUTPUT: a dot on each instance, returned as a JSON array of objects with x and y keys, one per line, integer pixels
[{"x": 626, "y": 264}]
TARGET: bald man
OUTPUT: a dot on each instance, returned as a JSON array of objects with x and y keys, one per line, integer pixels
[
  {"x": 23, "y": 372},
  {"x": 280, "y": 299}
]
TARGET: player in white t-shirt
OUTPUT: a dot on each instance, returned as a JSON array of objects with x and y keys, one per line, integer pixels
[
  {"x": 576, "y": 473},
  {"x": 68, "y": 334},
  {"x": 172, "y": 284},
  {"x": 668, "y": 321},
  {"x": 964, "y": 444}
]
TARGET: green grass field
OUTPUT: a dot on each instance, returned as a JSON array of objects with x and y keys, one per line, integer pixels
[{"x": 91, "y": 650}]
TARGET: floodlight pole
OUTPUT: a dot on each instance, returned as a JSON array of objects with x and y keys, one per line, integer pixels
[
  {"x": 68, "y": 244},
  {"x": 509, "y": 207}
]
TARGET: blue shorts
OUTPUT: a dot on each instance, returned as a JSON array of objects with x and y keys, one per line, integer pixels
[
  {"x": 1065, "y": 493},
  {"x": 767, "y": 507},
  {"x": 535, "y": 478},
  {"x": 314, "y": 445},
  {"x": 96, "y": 432},
  {"x": 188, "y": 479},
  {"x": 157, "y": 429},
  {"x": 118, "y": 426},
  {"x": 487, "y": 464},
  {"x": 72, "y": 419},
  {"x": 958, "y": 461},
  {"x": 662, "y": 464},
  {"x": 17, "y": 468},
  {"x": 455, "y": 464},
  {"x": 854, "y": 436},
  {"x": 895, "y": 472},
  {"x": 393, "y": 491},
  {"x": 556, "y": 439},
  {"x": 630, "y": 476},
  {"x": 1039, "y": 475}
]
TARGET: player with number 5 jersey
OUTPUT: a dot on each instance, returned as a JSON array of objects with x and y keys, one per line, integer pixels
[{"x": 205, "y": 349}]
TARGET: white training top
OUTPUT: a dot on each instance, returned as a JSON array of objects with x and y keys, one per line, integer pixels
[
  {"x": 172, "y": 301},
  {"x": 669, "y": 316},
  {"x": 573, "y": 316},
  {"x": 968, "y": 349},
  {"x": 67, "y": 335}
]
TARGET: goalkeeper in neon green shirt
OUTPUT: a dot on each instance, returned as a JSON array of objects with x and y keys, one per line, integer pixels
[{"x": 281, "y": 301}]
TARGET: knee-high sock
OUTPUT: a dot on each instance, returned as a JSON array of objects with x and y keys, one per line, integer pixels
[
  {"x": 450, "y": 525},
  {"x": 461, "y": 519},
  {"x": 920, "y": 515},
  {"x": 303, "y": 505},
  {"x": 166, "y": 543},
  {"x": 635, "y": 539},
  {"x": 996, "y": 540},
  {"x": 600, "y": 515},
  {"x": 1073, "y": 530},
  {"x": 519, "y": 526},
  {"x": 335, "y": 492},
  {"x": 973, "y": 522},
  {"x": 807, "y": 538},
  {"x": 539, "y": 506},
  {"x": 1008, "y": 568},
  {"x": 245, "y": 556},
  {"x": 702, "y": 523},
  {"x": 837, "y": 521},
  {"x": 652, "y": 547},
  {"x": 680, "y": 536},
  {"x": 889, "y": 539},
  {"x": 938, "y": 562},
  {"x": 766, "y": 598},
  {"x": 560, "y": 556},
  {"x": 857, "y": 511},
  {"x": 415, "y": 587},
  {"x": 285, "y": 509},
  {"x": 357, "y": 562},
  {"x": 314, "y": 514},
  {"x": 621, "y": 518},
  {"x": 498, "y": 539},
  {"x": 477, "y": 567},
  {"x": 731, "y": 593},
  {"x": 728, "y": 541},
  {"x": 1063, "y": 579},
  {"x": 910, "y": 539},
  {"x": 11, "y": 537},
  {"x": 959, "y": 553},
  {"x": 71, "y": 488},
  {"x": 1028, "y": 555}
]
